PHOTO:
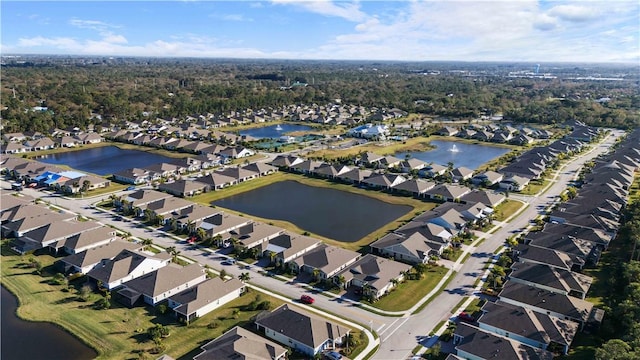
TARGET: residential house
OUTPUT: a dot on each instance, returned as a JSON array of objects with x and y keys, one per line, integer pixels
[
  {"x": 89, "y": 138},
  {"x": 161, "y": 284},
  {"x": 433, "y": 170},
  {"x": 163, "y": 170},
  {"x": 550, "y": 278},
  {"x": 488, "y": 198},
  {"x": 194, "y": 215},
  {"x": 447, "y": 192},
  {"x": 370, "y": 159},
  {"x": 413, "y": 248},
  {"x": 300, "y": 330},
  {"x": 126, "y": 266},
  {"x": 88, "y": 240},
  {"x": 132, "y": 176},
  {"x": 84, "y": 261},
  {"x": 415, "y": 187},
  {"x": 222, "y": 223},
  {"x": 370, "y": 131},
  {"x": 183, "y": 188},
  {"x": 461, "y": 173},
  {"x": 553, "y": 304},
  {"x": 411, "y": 164},
  {"x": 384, "y": 181},
  {"x": 286, "y": 161},
  {"x": 306, "y": 167},
  {"x": 389, "y": 161},
  {"x": 140, "y": 199},
  {"x": 286, "y": 247},
  {"x": 162, "y": 209},
  {"x": 375, "y": 275},
  {"x": 39, "y": 144},
  {"x": 532, "y": 328},
  {"x": 236, "y": 152},
  {"x": 261, "y": 169},
  {"x": 513, "y": 183},
  {"x": 205, "y": 297},
  {"x": 565, "y": 244},
  {"x": 238, "y": 173},
  {"x": 253, "y": 234},
  {"x": 487, "y": 178},
  {"x": 86, "y": 182},
  {"x": 17, "y": 222},
  {"x": 324, "y": 261},
  {"x": 217, "y": 181},
  {"x": 356, "y": 176},
  {"x": 540, "y": 255},
  {"x": 14, "y": 148},
  {"x": 54, "y": 234},
  {"x": 447, "y": 131},
  {"x": 239, "y": 343},
  {"x": 473, "y": 343}
]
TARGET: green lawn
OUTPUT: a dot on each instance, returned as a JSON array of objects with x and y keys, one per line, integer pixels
[
  {"x": 507, "y": 208},
  {"x": 382, "y": 148},
  {"x": 534, "y": 187},
  {"x": 408, "y": 293},
  {"x": 119, "y": 332}
]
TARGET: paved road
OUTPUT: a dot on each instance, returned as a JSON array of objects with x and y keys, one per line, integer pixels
[
  {"x": 398, "y": 335},
  {"x": 398, "y": 341}
]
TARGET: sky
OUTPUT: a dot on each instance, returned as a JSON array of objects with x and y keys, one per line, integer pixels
[{"x": 462, "y": 30}]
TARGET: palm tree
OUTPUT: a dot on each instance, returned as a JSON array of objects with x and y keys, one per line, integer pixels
[
  {"x": 191, "y": 226},
  {"x": 244, "y": 277},
  {"x": 316, "y": 274},
  {"x": 147, "y": 243}
]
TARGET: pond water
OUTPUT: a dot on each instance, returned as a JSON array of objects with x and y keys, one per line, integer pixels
[
  {"x": 104, "y": 160},
  {"x": 331, "y": 213},
  {"x": 470, "y": 156},
  {"x": 274, "y": 131},
  {"x": 36, "y": 340}
]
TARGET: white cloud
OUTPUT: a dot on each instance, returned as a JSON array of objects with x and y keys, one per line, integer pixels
[
  {"x": 231, "y": 17},
  {"x": 345, "y": 10},
  {"x": 574, "y": 12},
  {"x": 92, "y": 24}
]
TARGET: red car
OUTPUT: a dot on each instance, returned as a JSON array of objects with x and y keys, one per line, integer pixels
[
  {"x": 463, "y": 316},
  {"x": 306, "y": 299}
]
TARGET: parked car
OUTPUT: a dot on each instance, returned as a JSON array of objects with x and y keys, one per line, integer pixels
[
  {"x": 306, "y": 299},
  {"x": 463, "y": 316},
  {"x": 131, "y": 188},
  {"x": 333, "y": 355},
  {"x": 490, "y": 292}
]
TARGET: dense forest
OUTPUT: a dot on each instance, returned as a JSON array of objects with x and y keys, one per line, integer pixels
[{"x": 75, "y": 90}]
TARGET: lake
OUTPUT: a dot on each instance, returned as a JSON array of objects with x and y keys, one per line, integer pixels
[
  {"x": 274, "y": 131},
  {"x": 36, "y": 340},
  {"x": 331, "y": 213},
  {"x": 104, "y": 160},
  {"x": 470, "y": 156}
]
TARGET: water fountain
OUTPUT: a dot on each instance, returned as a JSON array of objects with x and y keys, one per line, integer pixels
[
  {"x": 454, "y": 149},
  {"x": 278, "y": 127}
]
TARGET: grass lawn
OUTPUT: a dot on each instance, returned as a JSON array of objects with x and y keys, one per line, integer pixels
[
  {"x": 119, "y": 332},
  {"x": 417, "y": 205},
  {"x": 507, "y": 208},
  {"x": 534, "y": 187},
  {"x": 113, "y": 187},
  {"x": 410, "y": 292}
]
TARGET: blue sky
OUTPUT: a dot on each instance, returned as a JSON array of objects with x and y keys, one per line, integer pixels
[{"x": 467, "y": 30}]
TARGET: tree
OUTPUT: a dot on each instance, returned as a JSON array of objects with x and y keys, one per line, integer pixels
[
  {"x": 244, "y": 277},
  {"x": 614, "y": 349},
  {"x": 147, "y": 243}
]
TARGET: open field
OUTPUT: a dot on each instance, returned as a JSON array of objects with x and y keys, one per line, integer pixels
[{"x": 417, "y": 205}]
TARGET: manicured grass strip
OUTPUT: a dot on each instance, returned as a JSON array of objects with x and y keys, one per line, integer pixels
[
  {"x": 507, "y": 208},
  {"x": 426, "y": 303},
  {"x": 534, "y": 187},
  {"x": 410, "y": 292}
]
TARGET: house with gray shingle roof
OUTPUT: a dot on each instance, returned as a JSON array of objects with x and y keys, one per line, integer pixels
[
  {"x": 125, "y": 266},
  {"x": 160, "y": 284},
  {"x": 415, "y": 187},
  {"x": 552, "y": 279},
  {"x": 300, "y": 330},
  {"x": 205, "y": 297},
  {"x": 535, "y": 329},
  {"x": 412, "y": 248},
  {"x": 254, "y": 234},
  {"x": 239, "y": 343},
  {"x": 183, "y": 187},
  {"x": 288, "y": 246},
  {"x": 447, "y": 192},
  {"x": 374, "y": 274},
  {"x": 83, "y": 262},
  {"x": 325, "y": 259},
  {"x": 488, "y": 198},
  {"x": 356, "y": 176},
  {"x": 473, "y": 343},
  {"x": 552, "y": 304}
]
